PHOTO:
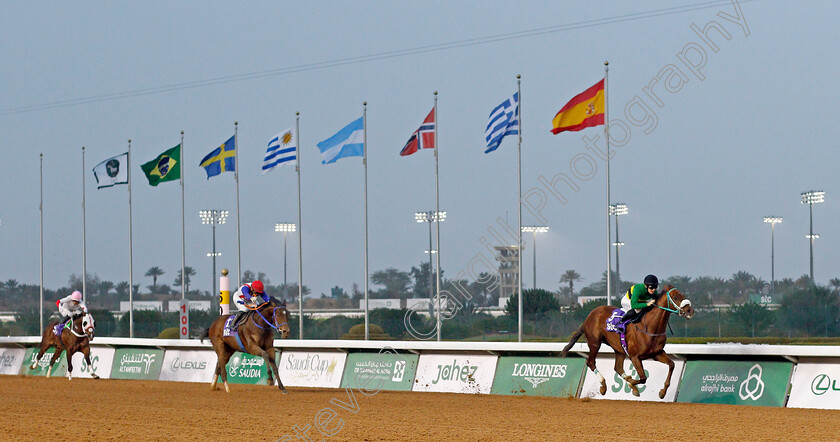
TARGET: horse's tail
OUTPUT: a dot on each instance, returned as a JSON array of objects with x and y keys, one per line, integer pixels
[
  {"x": 572, "y": 341},
  {"x": 205, "y": 334}
]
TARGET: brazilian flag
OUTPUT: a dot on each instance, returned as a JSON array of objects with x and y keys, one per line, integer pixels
[{"x": 166, "y": 167}]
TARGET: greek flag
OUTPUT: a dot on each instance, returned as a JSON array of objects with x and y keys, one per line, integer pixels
[
  {"x": 348, "y": 142},
  {"x": 282, "y": 150},
  {"x": 504, "y": 120}
]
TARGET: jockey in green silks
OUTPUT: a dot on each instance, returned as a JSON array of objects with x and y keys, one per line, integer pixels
[{"x": 638, "y": 297}]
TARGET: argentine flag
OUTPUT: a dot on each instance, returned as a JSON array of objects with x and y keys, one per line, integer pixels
[{"x": 348, "y": 142}]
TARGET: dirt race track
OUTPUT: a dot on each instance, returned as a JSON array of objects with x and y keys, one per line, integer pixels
[{"x": 34, "y": 408}]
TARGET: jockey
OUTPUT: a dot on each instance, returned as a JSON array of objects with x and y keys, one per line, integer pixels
[
  {"x": 248, "y": 297},
  {"x": 69, "y": 307},
  {"x": 638, "y": 297}
]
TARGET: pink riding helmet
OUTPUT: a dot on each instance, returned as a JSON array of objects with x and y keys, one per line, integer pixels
[{"x": 76, "y": 296}]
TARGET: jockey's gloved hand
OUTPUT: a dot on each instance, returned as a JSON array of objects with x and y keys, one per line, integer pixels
[{"x": 651, "y": 301}]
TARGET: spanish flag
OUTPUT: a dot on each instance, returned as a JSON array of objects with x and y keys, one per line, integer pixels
[{"x": 585, "y": 110}]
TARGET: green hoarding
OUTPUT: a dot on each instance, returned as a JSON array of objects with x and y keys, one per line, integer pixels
[
  {"x": 538, "y": 376},
  {"x": 735, "y": 382},
  {"x": 380, "y": 371},
  {"x": 137, "y": 363},
  {"x": 244, "y": 368},
  {"x": 59, "y": 369}
]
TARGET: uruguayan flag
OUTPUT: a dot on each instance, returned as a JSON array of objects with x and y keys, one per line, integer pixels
[
  {"x": 504, "y": 120},
  {"x": 282, "y": 150},
  {"x": 348, "y": 142}
]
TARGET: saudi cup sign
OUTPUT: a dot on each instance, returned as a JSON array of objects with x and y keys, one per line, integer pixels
[
  {"x": 100, "y": 363},
  {"x": 815, "y": 385},
  {"x": 455, "y": 373},
  {"x": 735, "y": 382},
  {"x": 618, "y": 388},
  {"x": 188, "y": 366},
  {"x": 11, "y": 360},
  {"x": 312, "y": 368}
]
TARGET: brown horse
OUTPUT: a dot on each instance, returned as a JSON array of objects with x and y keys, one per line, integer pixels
[
  {"x": 255, "y": 337},
  {"x": 75, "y": 338},
  {"x": 645, "y": 339}
]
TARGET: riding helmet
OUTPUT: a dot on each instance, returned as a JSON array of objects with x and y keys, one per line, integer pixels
[
  {"x": 651, "y": 280},
  {"x": 257, "y": 286}
]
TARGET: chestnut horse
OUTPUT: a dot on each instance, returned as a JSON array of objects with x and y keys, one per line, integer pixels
[
  {"x": 75, "y": 338},
  {"x": 255, "y": 337},
  {"x": 645, "y": 339}
]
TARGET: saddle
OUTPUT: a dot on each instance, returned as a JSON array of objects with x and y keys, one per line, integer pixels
[{"x": 58, "y": 328}]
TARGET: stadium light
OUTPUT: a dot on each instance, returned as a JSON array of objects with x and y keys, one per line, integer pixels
[
  {"x": 810, "y": 198},
  {"x": 617, "y": 210},
  {"x": 213, "y": 218},
  {"x": 534, "y": 230},
  {"x": 285, "y": 228},
  {"x": 773, "y": 220}
]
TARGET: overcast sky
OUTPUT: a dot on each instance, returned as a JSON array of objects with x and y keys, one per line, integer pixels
[{"x": 705, "y": 158}]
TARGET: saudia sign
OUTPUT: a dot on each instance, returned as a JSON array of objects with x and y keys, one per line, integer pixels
[
  {"x": 815, "y": 385},
  {"x": 243, "y": 368},
  {"x": 538, "y": 376}
]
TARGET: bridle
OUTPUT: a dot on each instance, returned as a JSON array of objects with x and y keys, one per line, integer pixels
[
  {"x": 671, "y": 302},
  {"x": 271, "y": 324},
  {"x": 84, "y": 333}
]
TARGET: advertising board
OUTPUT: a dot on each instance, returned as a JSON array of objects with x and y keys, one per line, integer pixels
[
  {"x": 11, "y": 360},
  {"x": 380, "y": 371},
  {"x": 455, "y": 373},
  {"x": 188, "y": 365},
  {"x": 538, "y": 376},
  {"x": 815, "y": 385},
  {"x": 244, "y": 368},
  {"x": 101, "y": 359},
  {"x": 735, "y": 382},
  {"x": 59, "y": 369},
  {"x": 137, "y": 363},
  {"x": 312, "y": 368},
  {"x": 618, "y": 388}
]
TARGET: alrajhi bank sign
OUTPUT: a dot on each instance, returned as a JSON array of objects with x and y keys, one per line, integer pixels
[
  {"x": 759, "y": 383},
  {"x": 815, "y": 385}
]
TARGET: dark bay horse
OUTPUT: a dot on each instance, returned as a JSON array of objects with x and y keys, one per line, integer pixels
[
  {"x": 73, "y": 339},
  {"x": 256, "y": 337},
  {"x": 645, "y": 339}
]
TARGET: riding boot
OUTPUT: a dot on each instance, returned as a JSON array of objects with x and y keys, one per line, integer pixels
[
  {"x": 629, "y": 316},
  {"x": 61, "y": 321},
  {"x": 237, "y": 320}
]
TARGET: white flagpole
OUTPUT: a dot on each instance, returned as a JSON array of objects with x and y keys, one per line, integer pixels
[
  {"x": 84, "y": 234},
  {"x": 607, "y": 136},
  {"x": 130, "y": 251},
  {"x": 364, "y": 160},
  {"x": 519, "y": 206},
  {"x": 437, "y": 217},
  {"x": 300, "y": 230},
  {"x": 41, "y": 211},
  {"x": 183, "y": 228},
  {"x": 236, "y": 178}
]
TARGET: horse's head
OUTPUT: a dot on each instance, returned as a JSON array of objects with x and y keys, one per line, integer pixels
[
  {"x": 674, "y": 300},
  {"x": 280, "y": 317},
  {"x": 88, "y": 325}
]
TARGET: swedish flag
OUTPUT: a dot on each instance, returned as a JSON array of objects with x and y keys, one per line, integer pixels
[
  {"x": 166, "y": 167},
  {"x": 222, "y": 159}
]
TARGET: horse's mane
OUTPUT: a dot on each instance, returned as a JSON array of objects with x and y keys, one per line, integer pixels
[{"x": 277, "y": 302}]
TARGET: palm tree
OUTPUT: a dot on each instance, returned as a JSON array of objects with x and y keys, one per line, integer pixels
[
  {"x": 570, "y": 277},
  {"x": 835, "y": 284},
  {"x": 190, "y": 272},
  {"x": 154, "y": 272}
]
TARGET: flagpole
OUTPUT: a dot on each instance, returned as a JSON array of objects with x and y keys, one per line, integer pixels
[
  {"x": 519, "y": 205},
  {"x": 84, "y": 234},
  {"x": 130, "y": 251},
  {"x": 607, "y": 136},
  {"x": 300, "y": 230},
  {"x": 183, "y": 224},
  {"x": 364, "y": 161},
  {"x": 236, "y": 178},
  {"x": 41, "y": 211},
  {"x": 437, "y": 216}
]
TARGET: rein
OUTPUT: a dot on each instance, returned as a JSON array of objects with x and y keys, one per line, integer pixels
[
  {"x": 270, "y": 324},
  {"x": 670, "y": 303},
  {"x": 72, "y": 330}
]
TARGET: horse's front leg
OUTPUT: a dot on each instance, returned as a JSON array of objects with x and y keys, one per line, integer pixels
[
  {"x": 268, "y": 356},
  {"x": 619, "y": 365},
  {"x": 590, "y": 362},
  {"x": 86, "y": 352},
  {"x": 663, "y": 358},
  {"x": 69, "y": 373},
  {"x": 637, "y": 363}
]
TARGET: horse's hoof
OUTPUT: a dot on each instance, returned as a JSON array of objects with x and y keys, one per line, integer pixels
[
  {"x": 94, "y": 376},
  {"x": 661, "y": 394},
  {"x": 284, "y": 391},
  {"x": 636, "y": 392},
  {"x": 603, "y": 390}
]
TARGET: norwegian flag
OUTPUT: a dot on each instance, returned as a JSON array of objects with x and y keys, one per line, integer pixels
[{"x": 422, "y": 138}]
